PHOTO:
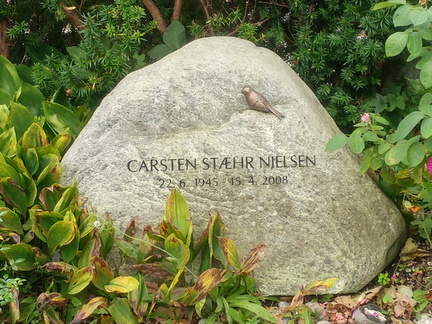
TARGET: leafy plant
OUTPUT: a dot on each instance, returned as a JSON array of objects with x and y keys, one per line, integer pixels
[
  {"x": 383, "y": 278},
  {"x": 111, "y": 46},
  {"x": 338, "y": 50},
  {"x": 397, "y": 149},
  {"x": 174, "y": 37}
]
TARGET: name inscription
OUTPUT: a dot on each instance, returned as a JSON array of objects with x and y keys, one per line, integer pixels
[{"x": 222, "y": 163}]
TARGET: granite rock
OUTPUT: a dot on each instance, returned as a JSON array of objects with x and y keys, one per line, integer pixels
[{"x": 182, "y": 123}]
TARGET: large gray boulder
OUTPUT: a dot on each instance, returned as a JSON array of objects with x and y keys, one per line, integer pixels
[{"x": 183, "y": 123}]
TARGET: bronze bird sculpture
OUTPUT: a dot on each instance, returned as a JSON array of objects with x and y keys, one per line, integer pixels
[{"x": 256, "y": 101}]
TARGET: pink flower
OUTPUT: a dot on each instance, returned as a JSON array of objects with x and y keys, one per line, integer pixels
[
  {"x": 365, "y": 118},
  {"x": 429, "y": 165}
]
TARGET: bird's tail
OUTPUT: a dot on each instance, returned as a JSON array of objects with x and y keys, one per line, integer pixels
[{"x": 277, "y": 113}]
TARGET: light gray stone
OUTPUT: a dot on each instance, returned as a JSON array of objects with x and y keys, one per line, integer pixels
[{"x": 318, "y": 215}]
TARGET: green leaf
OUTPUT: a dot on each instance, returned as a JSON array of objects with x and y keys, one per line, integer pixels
[
  {"x": 370, "y": 136},
  {"x": 426, "y": 33},
  {"x": 415, "y": 43},
  {"x": 34, "y": 137},
  {"x": 10, "y": 221},
  {"x": 254, "y": 307},
  {"x": 20, "y": 118},
  {"x": 426, "y": 75},
  {"x": 88, "y": 309},
  {"x": 230, "y": 252},
  {"x": 427, "y": 110},
  {"x": 179, "y": 252},
  {"x": 80, "y": 280},
  {"x": 61, "y": 118},
  {"x": 401, "y": 16},
  {"x": 102, "y": 272},
  {"x": 70, "y": 251},
  {"x": 177, "y": 213},
  {"x": 8, "y": 142},
  {"x": 175, "y": 35},
  {"x": 139, "y": 298},
  {"x": 61, "y": 233},
  {"x": 159, "y": 51},
  {"x": 395, "y": 43},
  {"x": 386, "y": 4},
  {"x": 419, "y": 16},
  {"x": 31, "y": 160},
  {"x": 356, "y": 143},
  {"x": 32, "y": 98},
  {"x": 406, "y": 126},
  {"x": 336, "y": 142},
  {"x": 397, "y": 153},
  {"x": 416, "y": 154},
  {"x": 426, "y": 127},
  {"x": 9, "y": 78},
  {"x": 23, "y": 256},
  {"x": 122, "y": 284},
  {"x": 121, "y": 312},
  {"x": 384, "y": 147},
  {"x": 13, "y": 194}
]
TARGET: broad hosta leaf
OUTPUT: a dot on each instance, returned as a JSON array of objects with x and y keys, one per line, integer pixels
[
  {"x": 336, "y": 142},
  {"x": 395, "y": 43},
  {"x": 122, "y": 284},
  {"x": 70, "y": 251},
  {"x": 61, "y": 233},
  {"x": 121, "y": 312},
  {"x": 80, "y": 280},
  {"x": 61, "y": 142},
  {"x": 31, "y": 160},
  {"x": 61, "y": 118},
  {"x": 20, "y": 118},
  {"x": 42, "y": 222},
  {"x": 34, "y": 137},
  {"x": 102, "y": 272},
  {"x": 10, "y": 221},
  {"x": 89, "y": 308},
  {"x": 426, "y": 75},
  {"x": 9, "y": 78},
  {"x": 426, "y": 127},
  {"x": 8, "y": 142},
  {"x": 22, "y": 255},
  {"x": 13, "y": 194},
  {"x": 32, "y": 98}
]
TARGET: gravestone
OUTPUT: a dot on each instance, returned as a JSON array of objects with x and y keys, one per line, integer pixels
[{"x": 183, "y": 123}]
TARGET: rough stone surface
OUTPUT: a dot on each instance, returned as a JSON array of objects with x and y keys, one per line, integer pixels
[{"x": 319, "y": 217}]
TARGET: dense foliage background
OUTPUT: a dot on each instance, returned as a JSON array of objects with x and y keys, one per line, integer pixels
[{"x": 371, "y": 69}]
